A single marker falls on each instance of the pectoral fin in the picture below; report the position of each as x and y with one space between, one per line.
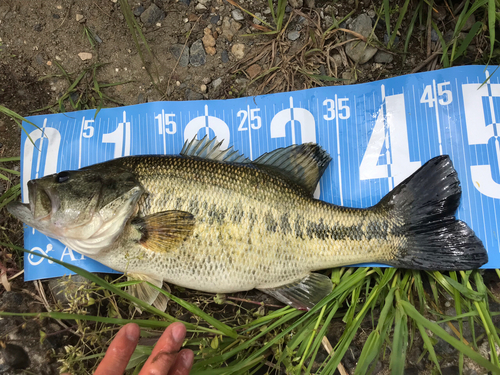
165 230
146 293
302 294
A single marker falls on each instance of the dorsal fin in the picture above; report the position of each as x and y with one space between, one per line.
301 165
211 149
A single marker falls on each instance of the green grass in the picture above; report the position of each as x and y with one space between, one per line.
141 44
13 192
84 91
389 306
291 339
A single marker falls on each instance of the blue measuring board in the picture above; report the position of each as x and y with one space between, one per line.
377 133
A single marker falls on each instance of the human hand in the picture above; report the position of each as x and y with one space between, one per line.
164 360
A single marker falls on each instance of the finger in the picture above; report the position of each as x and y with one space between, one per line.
119 352
183 364
165 352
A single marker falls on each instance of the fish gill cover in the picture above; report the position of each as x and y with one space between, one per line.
377 134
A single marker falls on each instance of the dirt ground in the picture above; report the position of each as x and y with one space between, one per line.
40 38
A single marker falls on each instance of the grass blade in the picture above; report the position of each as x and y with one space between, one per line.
468 39
491 24
440 332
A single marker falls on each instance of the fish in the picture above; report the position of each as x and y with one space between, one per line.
212 220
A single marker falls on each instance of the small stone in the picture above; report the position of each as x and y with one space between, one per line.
337 59
79 17
141 98
241 81
15 357
434 36
139 10
224 56
257 18
310 4
371 13
185 2
56 16
179 50
216 83
58 58
214 19
448 36
288 9
348 78
152 15
197 54
358 50
439 12
40 59
209 42
200 6
387 39
229 28
38 27
211 50
193 95
296 3
203 88
293 35
49 63
238 50
192 17
383 57
206 80
328 21
254 70
85 56
469 22
237 15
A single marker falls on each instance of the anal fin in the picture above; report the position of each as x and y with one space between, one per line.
146 293
302 294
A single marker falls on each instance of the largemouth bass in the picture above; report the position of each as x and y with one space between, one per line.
211 220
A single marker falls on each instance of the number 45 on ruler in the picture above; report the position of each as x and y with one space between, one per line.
434 95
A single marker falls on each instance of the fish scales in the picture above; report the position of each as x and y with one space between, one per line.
214 221
252 229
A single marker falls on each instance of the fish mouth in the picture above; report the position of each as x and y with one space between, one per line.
41 203
38 211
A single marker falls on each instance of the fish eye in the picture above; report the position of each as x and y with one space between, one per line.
62 177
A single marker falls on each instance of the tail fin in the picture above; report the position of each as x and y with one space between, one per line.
425 204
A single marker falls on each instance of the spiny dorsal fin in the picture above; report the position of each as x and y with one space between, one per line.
146 293
211 149
165 230
304 293
301 165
